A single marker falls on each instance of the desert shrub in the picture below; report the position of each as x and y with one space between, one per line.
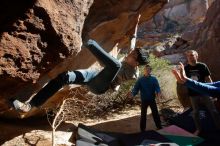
82 104
162 70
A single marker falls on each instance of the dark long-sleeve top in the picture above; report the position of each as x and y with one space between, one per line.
209 89
148 86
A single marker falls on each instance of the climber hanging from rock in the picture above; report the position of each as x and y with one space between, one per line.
98 82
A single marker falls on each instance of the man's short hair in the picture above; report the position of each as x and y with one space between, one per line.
192 51
142 57
148 66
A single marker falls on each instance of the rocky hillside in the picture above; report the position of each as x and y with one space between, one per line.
173 28
177 15
177 19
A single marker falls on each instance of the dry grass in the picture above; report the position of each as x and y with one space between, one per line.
81 104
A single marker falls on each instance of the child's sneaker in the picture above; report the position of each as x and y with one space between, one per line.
20 106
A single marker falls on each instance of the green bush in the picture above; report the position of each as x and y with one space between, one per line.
158 64
161 68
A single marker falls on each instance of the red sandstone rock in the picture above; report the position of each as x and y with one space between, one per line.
41 38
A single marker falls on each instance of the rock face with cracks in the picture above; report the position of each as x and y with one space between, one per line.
207 40
42 38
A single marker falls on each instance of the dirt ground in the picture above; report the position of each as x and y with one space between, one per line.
126 121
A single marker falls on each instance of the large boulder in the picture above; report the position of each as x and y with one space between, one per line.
36 36
41 38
